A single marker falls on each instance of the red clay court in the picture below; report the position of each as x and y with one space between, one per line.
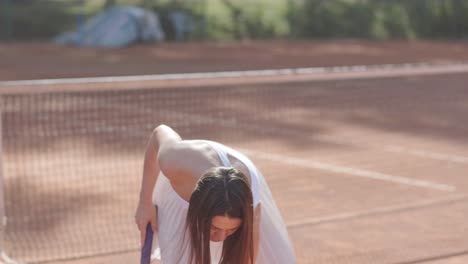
375 162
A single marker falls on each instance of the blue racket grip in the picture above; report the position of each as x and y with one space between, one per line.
146 249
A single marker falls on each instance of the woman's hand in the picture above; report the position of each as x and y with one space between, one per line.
145 213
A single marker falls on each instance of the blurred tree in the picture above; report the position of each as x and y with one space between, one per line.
24 1
236 16
109 3
80 17
398 22
241 19
6 16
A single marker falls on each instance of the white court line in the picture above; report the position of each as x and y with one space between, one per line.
350 171
427 154
376 211
371 70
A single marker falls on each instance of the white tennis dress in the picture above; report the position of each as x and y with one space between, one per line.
168 246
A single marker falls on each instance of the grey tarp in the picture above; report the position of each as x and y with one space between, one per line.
116 27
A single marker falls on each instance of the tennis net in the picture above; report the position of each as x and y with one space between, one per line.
72 152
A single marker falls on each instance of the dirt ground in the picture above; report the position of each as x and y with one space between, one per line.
44 60
364 171
361 173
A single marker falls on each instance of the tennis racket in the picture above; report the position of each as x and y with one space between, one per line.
146 249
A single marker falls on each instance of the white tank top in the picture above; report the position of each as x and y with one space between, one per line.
172 210
223 155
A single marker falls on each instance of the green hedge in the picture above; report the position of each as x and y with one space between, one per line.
229 19
439 19
371 19
384 19
262 19
40 19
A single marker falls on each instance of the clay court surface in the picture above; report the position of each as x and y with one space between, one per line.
363 170
44 60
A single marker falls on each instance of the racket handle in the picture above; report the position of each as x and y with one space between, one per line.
146 249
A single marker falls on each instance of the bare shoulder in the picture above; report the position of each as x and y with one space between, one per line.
182 159
170 155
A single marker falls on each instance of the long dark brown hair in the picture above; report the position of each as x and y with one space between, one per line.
221 191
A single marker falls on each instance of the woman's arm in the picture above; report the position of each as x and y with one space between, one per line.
146 212
161 136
